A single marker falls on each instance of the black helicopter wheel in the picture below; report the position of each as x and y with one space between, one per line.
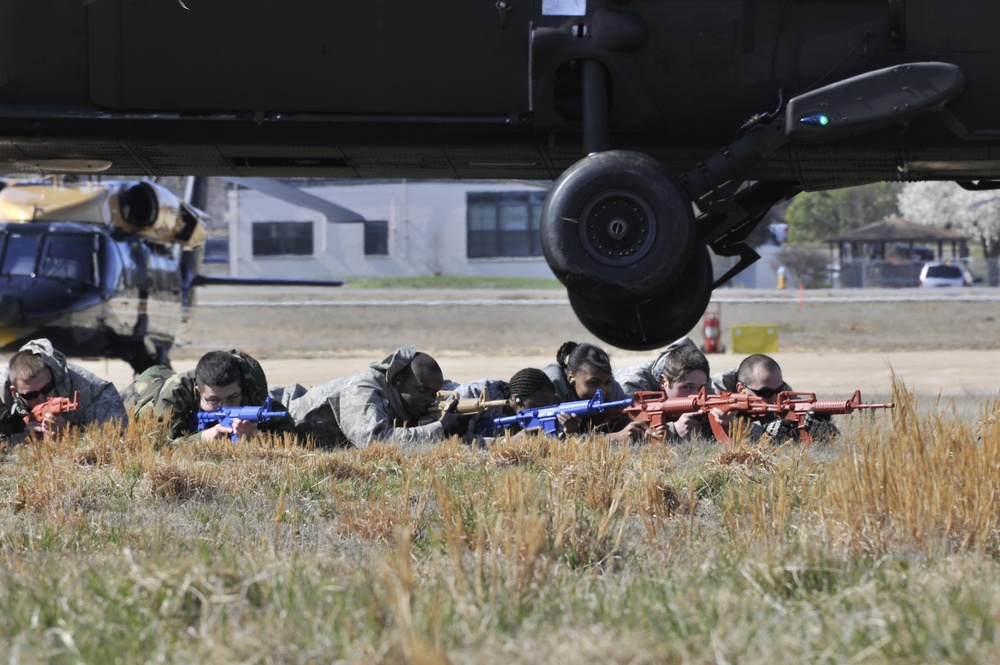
654 323
617 225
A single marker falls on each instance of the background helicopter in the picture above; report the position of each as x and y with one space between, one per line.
102 268
671 128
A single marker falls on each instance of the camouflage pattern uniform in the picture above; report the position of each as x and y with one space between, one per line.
362 409
646 376
481 424
566 393
172 397
99 399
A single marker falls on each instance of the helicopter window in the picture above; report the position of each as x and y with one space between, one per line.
19 255
69 256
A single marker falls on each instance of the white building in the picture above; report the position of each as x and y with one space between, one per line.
410 228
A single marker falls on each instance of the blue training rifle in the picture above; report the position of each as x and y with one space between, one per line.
547 417
225 415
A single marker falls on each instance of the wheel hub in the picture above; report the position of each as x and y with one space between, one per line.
617 227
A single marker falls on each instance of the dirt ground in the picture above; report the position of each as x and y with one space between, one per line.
936 343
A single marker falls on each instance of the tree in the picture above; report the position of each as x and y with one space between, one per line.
946 205
816 216
808 266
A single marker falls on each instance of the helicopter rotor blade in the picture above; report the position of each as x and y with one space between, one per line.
335 214
206 280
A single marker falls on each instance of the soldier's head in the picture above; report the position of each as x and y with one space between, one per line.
760 375
530 388
218 381
587 369
31 380
418 384
685 371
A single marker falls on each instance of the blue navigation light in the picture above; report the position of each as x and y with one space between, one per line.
818 120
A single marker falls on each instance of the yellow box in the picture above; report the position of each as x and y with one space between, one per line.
755 338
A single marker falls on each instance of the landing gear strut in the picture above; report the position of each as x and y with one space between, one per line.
619 232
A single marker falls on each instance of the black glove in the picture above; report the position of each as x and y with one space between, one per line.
820 426
453 423
780 430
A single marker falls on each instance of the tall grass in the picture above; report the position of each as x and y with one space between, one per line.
878 547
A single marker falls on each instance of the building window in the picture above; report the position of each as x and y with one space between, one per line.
282 239
377 238
504 224
216 249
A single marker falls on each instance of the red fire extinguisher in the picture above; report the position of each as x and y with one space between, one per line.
713 331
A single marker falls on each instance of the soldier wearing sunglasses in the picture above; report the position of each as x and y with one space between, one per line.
760 375
36 373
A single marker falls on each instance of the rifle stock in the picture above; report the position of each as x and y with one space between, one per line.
467 406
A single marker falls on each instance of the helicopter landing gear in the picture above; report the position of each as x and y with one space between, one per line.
616 225
655 322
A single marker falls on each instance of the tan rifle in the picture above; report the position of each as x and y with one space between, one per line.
467 406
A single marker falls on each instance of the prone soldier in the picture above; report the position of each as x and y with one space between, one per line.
37 373
220 379
384 403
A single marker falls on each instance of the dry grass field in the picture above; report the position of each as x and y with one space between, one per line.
878 547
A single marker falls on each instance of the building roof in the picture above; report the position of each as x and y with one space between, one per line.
897 229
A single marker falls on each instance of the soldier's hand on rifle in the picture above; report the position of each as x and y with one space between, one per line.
657 433
52 425
218 431
244 428
688 424
820 426
571 423
634 431
453 422
725 417
781 430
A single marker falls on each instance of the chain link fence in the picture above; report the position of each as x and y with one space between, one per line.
873 273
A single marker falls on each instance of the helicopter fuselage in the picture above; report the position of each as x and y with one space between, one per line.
91 291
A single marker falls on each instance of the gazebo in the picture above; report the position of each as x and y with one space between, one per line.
879 239
891 252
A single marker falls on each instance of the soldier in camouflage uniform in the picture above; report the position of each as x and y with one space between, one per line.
529 388
37 372
756 373
646 376
489 390
579 372
683 372
760 375
381 404
221 378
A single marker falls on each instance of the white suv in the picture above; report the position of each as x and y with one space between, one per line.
944 274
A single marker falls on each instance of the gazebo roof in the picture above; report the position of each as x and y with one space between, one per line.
897 229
